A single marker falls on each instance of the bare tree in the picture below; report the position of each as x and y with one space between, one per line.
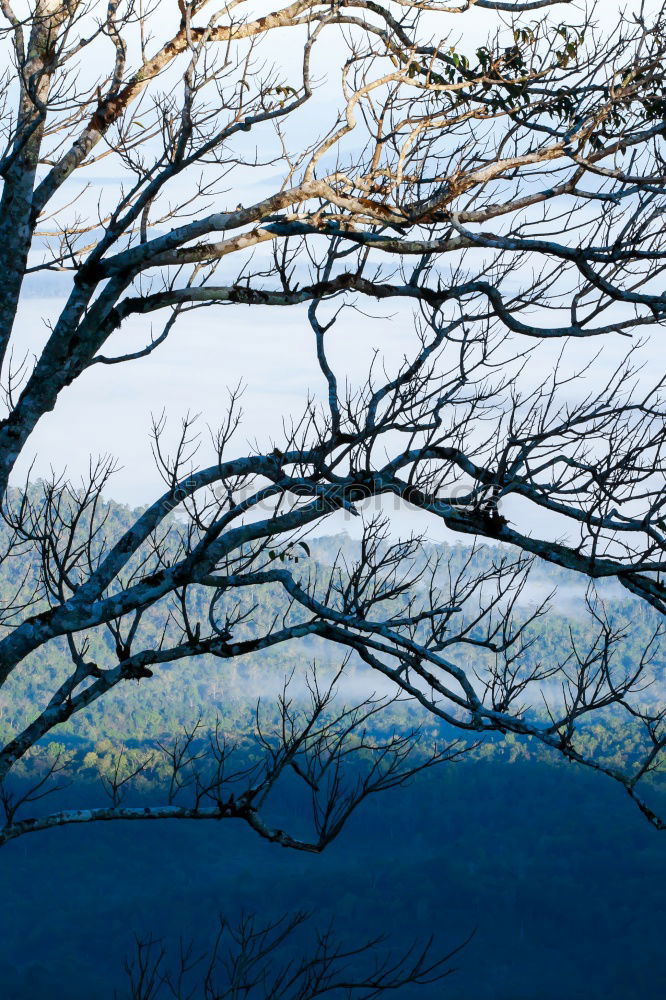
552 132
242 963
333 753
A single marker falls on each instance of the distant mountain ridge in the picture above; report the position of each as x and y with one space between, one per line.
208 686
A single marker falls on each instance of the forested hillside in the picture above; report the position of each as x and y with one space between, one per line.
226 692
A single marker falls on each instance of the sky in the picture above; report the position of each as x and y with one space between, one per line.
109 410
